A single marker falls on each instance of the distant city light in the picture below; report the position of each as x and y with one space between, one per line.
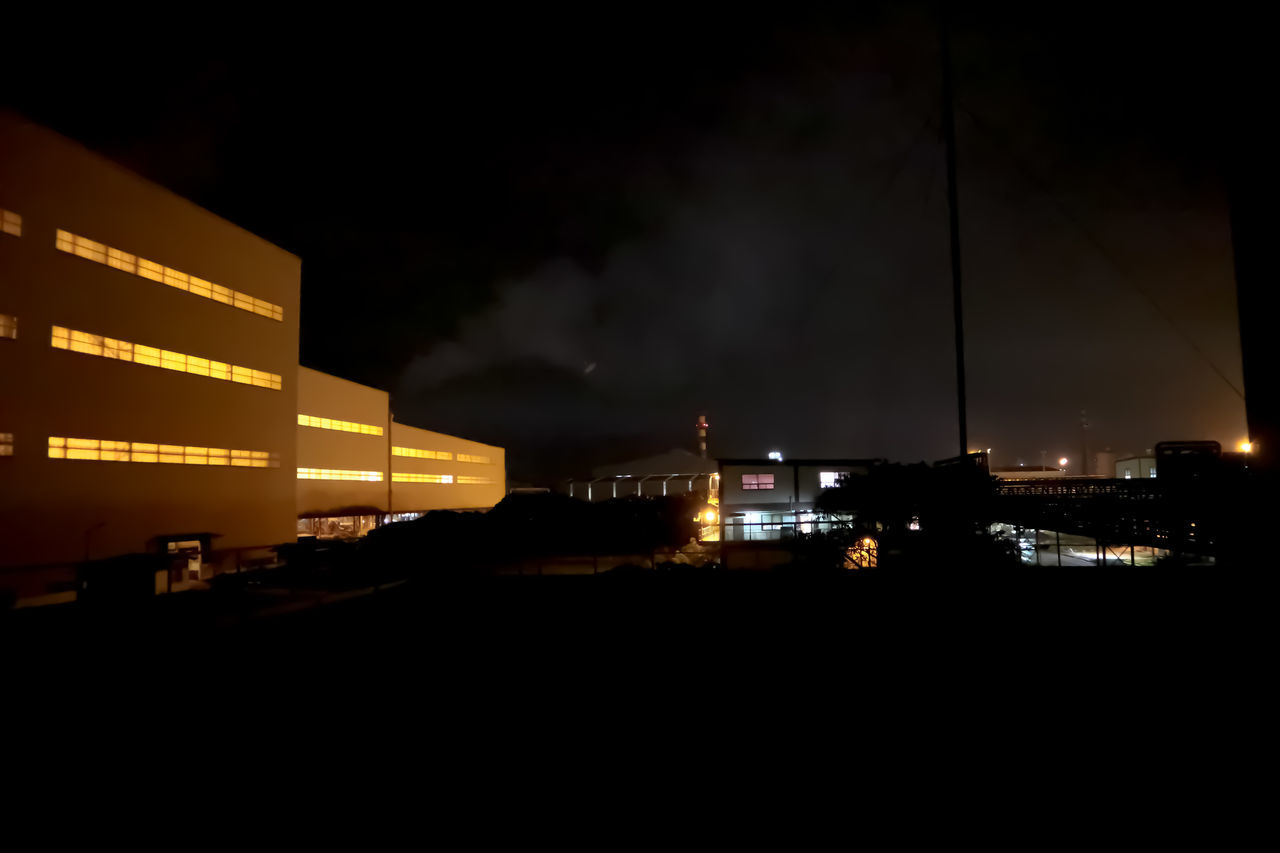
775 455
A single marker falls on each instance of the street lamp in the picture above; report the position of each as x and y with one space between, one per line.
1062 463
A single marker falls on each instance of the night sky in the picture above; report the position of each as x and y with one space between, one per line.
569 235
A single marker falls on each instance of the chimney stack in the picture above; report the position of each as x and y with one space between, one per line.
702 435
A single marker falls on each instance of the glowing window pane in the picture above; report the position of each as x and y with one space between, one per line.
6 444
339 425
339 474
466 480
92 449
122 261
90 344
150 269
421 478
8 326
83 247
10 223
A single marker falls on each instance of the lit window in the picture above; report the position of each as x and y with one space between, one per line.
8 326
1128 475
483 460
753 482
6 444
91 344
831 479
422 454
474 481
10 223
100 450
1153 473
341 426
83 247
339 474
423 478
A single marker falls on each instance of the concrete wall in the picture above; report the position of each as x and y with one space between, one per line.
55 510
325 396
420 497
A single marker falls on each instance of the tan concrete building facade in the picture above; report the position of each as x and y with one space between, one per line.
347 443
156 345
150 390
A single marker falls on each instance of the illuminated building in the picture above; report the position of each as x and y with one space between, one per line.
347 442
1136 468
767 499
672 473
150 392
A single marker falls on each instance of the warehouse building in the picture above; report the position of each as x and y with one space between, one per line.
150 392
768 499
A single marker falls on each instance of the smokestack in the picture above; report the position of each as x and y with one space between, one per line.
703 426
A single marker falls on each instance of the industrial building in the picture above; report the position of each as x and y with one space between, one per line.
150 393
766 499
1135 468
347 440
675 472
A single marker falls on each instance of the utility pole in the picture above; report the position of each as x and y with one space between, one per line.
949 128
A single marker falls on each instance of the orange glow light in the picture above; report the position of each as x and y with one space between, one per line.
83 247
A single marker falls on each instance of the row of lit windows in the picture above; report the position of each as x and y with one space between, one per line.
421 478
483 460
339 474
175 454
342 426
396 477
8 326
85 248
90 344
10 223
421 454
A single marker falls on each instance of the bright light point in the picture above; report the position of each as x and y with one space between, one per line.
775 455
709 516
1246 447
1063 462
